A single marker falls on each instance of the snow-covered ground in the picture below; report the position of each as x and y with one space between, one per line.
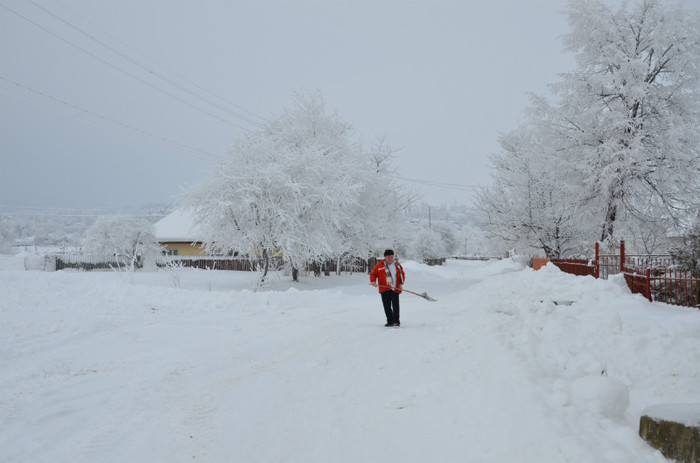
110 367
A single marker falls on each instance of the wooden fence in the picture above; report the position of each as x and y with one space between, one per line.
61 261
218 263
346 264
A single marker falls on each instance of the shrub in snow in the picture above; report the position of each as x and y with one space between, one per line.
124 240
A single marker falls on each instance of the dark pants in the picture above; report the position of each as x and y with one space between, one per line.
390 299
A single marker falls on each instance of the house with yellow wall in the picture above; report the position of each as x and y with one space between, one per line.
178 234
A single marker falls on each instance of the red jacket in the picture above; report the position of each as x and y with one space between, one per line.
378 274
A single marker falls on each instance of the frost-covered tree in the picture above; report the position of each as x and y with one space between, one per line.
301 186
427 245
7 236
620 142
529 206
627 118
473 241
438 241
648 237
448 237
379 205
687 253
126 239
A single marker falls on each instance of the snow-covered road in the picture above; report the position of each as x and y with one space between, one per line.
127 368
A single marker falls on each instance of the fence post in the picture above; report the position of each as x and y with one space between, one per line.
622 256
647 289
596 272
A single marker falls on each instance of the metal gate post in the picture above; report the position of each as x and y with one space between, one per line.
622 256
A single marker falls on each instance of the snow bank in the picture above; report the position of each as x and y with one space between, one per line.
115 367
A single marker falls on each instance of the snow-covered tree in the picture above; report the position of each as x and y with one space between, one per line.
448 237
437 241
126 239
687 253
529 206
627 118
382 205
620 142
649 237
7 236
301 186
427 245
472 241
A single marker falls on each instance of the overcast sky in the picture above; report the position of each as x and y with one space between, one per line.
115 121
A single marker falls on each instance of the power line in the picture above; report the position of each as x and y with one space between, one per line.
121 70
44 211
25 214
150 70
193 151
13 206
48 208
454 186
124 44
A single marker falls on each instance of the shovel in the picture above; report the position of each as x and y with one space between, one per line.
423 295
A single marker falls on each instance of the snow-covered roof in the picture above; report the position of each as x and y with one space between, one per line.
179 225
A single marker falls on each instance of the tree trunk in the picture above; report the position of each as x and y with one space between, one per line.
295 273
266 265
614 198
609 224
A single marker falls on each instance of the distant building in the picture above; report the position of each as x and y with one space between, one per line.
178 234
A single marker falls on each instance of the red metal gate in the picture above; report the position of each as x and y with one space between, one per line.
656 277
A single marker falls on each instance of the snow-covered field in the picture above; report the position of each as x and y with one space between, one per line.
110 367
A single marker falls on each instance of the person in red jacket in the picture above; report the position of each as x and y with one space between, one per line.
389 276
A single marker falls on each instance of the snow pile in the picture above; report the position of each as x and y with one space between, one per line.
115 367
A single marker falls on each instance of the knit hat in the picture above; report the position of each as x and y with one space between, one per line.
388 252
